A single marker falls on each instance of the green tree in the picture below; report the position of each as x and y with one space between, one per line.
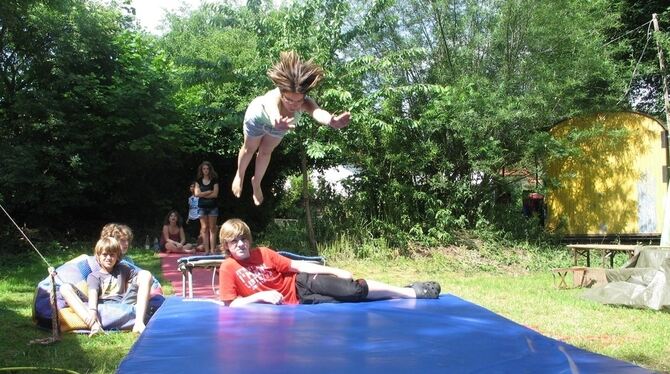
456 91
636 41
98 118
85 116
222 54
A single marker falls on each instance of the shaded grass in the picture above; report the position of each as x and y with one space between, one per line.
521 293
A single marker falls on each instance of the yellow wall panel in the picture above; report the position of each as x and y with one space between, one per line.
614 183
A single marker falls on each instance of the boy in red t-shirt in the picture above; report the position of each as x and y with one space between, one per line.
260 275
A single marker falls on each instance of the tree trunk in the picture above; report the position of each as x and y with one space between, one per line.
305 198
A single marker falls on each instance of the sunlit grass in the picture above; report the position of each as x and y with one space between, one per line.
526 297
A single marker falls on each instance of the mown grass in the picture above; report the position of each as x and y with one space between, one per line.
18 277
514 282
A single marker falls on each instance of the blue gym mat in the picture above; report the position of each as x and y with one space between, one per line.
448 335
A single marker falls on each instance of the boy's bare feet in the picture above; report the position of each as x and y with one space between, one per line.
96 329
237 186
258 193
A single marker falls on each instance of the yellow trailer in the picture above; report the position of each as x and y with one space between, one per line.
615 179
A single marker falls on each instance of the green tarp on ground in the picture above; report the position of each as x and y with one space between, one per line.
643 282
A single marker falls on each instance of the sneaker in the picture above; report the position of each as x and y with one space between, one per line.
426 290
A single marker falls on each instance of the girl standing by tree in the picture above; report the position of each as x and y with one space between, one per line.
207 190
270 116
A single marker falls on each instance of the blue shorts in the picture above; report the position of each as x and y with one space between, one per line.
130 297
211 212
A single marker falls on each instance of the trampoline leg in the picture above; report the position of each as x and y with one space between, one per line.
183 284
190 283
213 278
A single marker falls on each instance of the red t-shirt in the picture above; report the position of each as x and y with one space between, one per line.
264 270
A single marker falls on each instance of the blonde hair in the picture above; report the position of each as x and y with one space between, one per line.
117 231
231 229
108 244
292 74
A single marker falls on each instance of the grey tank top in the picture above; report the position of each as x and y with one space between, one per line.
258 115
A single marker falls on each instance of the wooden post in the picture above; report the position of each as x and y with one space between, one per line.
55 321
661 62
665 233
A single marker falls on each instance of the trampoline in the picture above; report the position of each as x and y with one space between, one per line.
447 335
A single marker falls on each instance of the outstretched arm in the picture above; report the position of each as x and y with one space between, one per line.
86 311
312 268
267 297
324 117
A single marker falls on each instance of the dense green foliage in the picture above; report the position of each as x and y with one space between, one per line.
89 128
100 121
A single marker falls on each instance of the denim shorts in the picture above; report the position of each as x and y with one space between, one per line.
212 212
130 297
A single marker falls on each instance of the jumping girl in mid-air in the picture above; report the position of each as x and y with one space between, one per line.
270 116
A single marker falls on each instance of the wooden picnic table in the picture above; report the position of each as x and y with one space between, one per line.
606 251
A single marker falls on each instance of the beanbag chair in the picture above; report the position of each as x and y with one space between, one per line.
113 316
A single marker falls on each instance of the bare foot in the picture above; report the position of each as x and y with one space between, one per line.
96 330
258 193
139 327
237 186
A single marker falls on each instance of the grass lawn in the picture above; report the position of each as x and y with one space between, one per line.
638 336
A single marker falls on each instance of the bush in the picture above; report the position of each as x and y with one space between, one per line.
287 236
12 241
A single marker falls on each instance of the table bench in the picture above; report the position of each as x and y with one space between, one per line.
559 275
606 251
582 276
